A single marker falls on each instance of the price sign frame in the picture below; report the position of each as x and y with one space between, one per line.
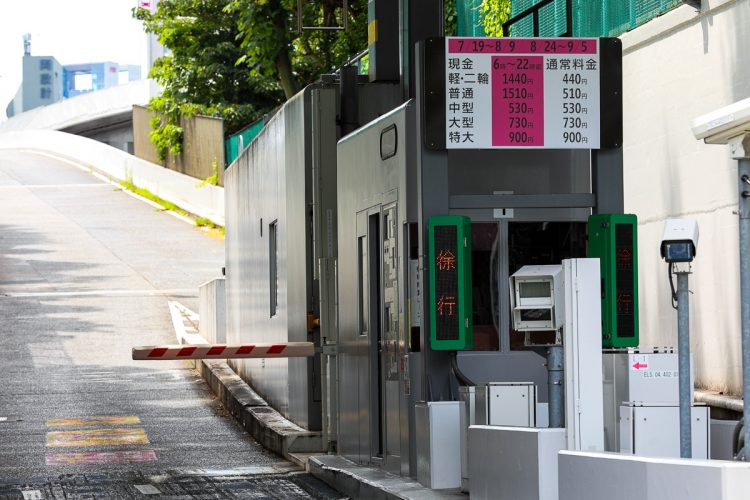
522 93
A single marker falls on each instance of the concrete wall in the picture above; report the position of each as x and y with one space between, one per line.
203 145
206 201
118 136
676 68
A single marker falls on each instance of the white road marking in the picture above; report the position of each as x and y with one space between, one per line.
102 293
53 186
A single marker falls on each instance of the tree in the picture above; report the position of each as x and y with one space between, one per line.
274 49
489 14
238 59
496 13
200 74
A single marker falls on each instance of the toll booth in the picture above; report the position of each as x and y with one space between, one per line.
506 150
280 242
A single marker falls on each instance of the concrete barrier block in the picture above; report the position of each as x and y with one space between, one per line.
610 476
213 311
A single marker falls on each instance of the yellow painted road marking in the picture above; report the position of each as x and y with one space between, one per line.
92 421
100 457
97 437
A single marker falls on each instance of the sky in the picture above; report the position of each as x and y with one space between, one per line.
72 31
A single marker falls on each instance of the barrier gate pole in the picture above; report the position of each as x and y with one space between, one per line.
206 351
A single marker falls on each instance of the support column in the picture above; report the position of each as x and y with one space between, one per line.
555 381
683 354
744 212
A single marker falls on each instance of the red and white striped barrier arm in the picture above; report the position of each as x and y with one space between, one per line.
205 351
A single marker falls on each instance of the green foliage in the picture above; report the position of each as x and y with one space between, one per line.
239 59
213 179
169 206
495 13
451 18
145 193
273 48
200 74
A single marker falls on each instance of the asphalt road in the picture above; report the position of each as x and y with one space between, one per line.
85 274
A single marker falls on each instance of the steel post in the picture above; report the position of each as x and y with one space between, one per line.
683 352
744 212
555 379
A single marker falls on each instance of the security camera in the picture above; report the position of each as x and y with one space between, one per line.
680 240
724 124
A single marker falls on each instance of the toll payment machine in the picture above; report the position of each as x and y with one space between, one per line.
537 300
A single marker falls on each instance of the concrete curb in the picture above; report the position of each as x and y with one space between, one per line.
358 481
266 425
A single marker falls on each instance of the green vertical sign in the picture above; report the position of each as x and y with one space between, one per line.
450 283
613 238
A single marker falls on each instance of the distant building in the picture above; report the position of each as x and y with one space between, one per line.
42 84
82 78
46 81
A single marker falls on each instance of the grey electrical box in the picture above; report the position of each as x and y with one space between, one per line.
511 404
438 438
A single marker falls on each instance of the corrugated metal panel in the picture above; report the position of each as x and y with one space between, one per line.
270 184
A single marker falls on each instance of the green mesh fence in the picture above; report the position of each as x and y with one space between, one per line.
592 18
551 18
242 138
469 18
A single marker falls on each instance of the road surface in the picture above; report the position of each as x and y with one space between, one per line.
85 274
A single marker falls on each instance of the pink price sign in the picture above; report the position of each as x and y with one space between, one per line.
522 93
522 46
518 106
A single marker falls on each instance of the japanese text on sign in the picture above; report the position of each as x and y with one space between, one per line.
522 93
446 282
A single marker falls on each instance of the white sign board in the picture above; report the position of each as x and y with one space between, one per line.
522 93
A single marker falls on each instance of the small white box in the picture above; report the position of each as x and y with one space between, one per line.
511 404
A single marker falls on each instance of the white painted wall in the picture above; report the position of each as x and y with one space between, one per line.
676 68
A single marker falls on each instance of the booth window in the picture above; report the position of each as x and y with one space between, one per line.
273 267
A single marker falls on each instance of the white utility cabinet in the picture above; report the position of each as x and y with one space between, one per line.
582 340
469 416
643 377
654 431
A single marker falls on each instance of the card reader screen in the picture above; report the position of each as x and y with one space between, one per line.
534 289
